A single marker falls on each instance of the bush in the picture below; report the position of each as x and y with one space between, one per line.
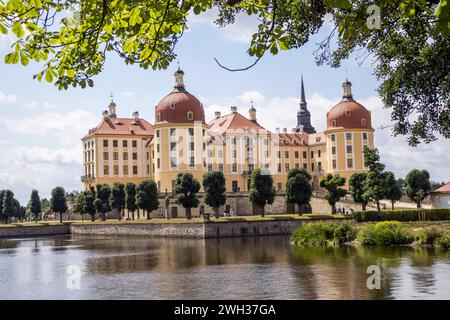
385 233
323 234
427 236
443 243
403 215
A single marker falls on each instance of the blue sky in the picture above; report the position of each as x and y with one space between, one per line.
41 127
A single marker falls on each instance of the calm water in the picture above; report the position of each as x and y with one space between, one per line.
239 268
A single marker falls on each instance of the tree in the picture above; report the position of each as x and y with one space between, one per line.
130 198
101 202
35 205
117 200
2 216
80 204
356 182
409 41
417 185
186 188
374 185
8 207
147 196
261 190
298 188
58 201
89 207
214 186
332 184
393 192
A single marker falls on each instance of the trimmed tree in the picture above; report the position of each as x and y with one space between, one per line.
2 216
58 202
393 190
35 205
130 198
147 196
298 188
261 190
333 191
79 204
356 182
417 185
101 202
186 189
8 206
117 200
374 185
89 207
214 186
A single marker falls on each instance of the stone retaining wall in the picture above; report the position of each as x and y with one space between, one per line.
35 231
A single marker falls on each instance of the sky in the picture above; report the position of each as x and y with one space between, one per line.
41 127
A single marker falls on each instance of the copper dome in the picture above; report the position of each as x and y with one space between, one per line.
179 106
348 113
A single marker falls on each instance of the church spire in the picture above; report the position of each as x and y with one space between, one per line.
179 80
303 115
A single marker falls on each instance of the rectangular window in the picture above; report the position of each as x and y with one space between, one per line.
158 163
134 143
234 167
135 170
350 163
220 166
209 152
210 167
305 166
157 133
191 146
191 131
349 149
334 164
115 143
148 169
116 170
280 187
348 136
105 143
125 156
279 154
106 170
279 167
135 156
312 154
233 140
312 166
191 161
333 150
115 156
173 132
148 155
234 154
106 155
296 154
266 142
234 186
319 166
333 137
364 135
319 153
286 167
125 170
220 153
157 147
305 155
286 154
174 183
297 165
125 143
173 146
173 162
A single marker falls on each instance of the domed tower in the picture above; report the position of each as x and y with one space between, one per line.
349 131
178 144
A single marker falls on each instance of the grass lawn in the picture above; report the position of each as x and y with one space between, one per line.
183 220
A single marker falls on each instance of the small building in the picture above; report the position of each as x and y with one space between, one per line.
440 198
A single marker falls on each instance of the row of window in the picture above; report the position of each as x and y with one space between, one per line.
116 170
115 143
88 145
124 155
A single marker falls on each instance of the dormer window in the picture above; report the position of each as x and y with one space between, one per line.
333 123
363 122
172 105
348 113
190 115
158 117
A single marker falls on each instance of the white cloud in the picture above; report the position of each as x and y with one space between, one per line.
35 105
127 93
67 127
7 98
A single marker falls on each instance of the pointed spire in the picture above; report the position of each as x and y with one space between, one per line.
303 115
302 97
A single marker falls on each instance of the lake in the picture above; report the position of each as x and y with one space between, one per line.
228 268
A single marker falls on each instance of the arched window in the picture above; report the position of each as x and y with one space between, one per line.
333 123
348 113
190 115
363 122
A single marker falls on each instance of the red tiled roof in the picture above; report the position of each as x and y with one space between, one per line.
301 139
234 121
443 189
349 114
123 126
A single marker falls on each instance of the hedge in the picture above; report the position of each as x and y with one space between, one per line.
403 215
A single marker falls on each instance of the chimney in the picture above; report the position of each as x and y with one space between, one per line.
252 114
105 114
217 114
233 109
136 116
294 130
284 130
277 130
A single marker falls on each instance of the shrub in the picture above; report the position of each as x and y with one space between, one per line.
323 234
384 234
403 215
443 243
427 236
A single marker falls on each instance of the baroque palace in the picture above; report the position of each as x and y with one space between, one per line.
131 149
